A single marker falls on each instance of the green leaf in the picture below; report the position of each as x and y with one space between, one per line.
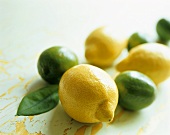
136 39
163 30
40 101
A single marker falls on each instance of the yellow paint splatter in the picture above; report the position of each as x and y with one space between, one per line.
16 85
6 133
4 61
7 105
3 70
30 81
12 88
21 130
140 131
96 128
21 78
81 130
8 121
31 118
2 95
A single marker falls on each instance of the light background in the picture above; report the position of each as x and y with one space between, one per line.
27 27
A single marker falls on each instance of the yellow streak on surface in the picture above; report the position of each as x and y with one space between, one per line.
2 95
140 131
31 118
30 81
12 88
81 130
20 130
7 105
3 70
6 133
96 128
4 61
21 78
16 85
8 121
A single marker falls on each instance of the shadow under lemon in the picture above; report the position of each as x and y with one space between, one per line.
61 123
125 117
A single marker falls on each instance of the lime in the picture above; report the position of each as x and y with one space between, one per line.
54 61
136 90
136 39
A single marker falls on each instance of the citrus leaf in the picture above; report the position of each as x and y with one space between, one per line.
163 29
40 101
136 39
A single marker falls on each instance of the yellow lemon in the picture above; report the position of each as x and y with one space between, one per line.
88 94
103 46
152 59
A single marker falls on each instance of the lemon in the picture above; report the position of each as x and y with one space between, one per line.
88 94
136 90
103 46
54 61
152 59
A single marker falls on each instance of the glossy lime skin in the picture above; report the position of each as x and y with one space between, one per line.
54 61
136 90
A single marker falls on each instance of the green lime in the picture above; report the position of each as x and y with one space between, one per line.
54 61
136 90
136 39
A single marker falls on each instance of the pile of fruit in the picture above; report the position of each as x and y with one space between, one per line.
89 94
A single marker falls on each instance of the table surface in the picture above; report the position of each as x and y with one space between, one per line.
27 27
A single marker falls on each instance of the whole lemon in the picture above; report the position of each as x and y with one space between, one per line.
152 59
103 46
88 94
54 61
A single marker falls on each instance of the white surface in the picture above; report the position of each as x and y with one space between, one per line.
27 27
